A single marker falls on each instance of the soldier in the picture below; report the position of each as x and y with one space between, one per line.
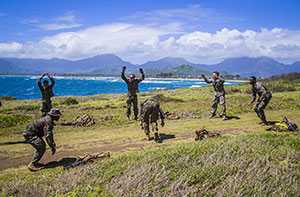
34 135
132 84
218 84
150 109
264 96
47 93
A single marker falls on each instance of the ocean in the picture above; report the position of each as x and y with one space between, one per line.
25 87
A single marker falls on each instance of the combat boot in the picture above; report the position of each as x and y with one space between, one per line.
197 135
33 167
148 137
211 116
156 138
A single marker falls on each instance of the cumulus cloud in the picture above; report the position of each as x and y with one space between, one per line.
140 43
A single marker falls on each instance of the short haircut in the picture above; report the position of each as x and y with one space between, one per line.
253 77
216 72
45 82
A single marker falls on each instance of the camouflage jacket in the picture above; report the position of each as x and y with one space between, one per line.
132 85
218 85
151 104
47 93
41 127
261 90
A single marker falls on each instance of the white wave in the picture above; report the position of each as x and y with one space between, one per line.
196 86
168 82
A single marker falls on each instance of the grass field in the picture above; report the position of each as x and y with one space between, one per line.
245 160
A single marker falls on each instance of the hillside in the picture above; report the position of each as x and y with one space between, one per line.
109 64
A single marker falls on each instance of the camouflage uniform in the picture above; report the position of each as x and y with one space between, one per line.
131 95
47 93
34 133
219 96
263 99
150 109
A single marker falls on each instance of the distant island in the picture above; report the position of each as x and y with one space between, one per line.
171 67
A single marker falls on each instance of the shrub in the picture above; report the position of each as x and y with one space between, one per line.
8 98
7 120
70 101
28 107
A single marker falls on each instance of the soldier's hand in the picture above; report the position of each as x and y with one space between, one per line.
162 123
203 75
124 68
141 70
44 74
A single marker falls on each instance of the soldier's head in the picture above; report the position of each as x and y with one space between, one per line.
252 80
55 114
46 83
215 75
132 77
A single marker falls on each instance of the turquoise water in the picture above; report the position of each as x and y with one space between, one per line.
25 87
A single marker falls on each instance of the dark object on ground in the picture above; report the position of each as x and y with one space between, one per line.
201 133
86 121
88 159
171 116
284 126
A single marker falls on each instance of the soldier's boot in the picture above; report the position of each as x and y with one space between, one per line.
135 118
32 167
40 165
224 117
128 116
156 137
197 135
148 137
211 116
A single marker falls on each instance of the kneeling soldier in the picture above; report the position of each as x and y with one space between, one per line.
34 135
150 109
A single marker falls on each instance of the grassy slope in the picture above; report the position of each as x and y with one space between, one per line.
253 162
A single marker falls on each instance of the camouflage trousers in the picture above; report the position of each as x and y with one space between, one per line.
259 109
215 103
40 146
132 100
146 127
46 107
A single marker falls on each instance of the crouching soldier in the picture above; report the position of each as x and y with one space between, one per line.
47 93
34 133
264 96
150 109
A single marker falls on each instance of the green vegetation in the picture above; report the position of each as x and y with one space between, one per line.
69 101
7 120
245 161
8 98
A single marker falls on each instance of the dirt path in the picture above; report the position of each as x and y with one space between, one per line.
67 157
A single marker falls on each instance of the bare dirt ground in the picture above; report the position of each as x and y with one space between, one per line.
68 157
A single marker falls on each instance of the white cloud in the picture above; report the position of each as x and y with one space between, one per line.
140 43
67 21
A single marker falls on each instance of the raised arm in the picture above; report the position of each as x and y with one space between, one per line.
143 75
123 74
39 81
51 79
205 79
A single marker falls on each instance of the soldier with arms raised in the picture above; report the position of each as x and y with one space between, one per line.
47 93
218 84
264 96
34 133
132 85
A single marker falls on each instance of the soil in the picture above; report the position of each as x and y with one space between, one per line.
67 157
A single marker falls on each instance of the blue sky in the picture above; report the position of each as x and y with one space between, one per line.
138 31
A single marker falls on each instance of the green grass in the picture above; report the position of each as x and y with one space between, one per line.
256 164
246 160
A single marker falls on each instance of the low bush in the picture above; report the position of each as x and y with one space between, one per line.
69 101
8 98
